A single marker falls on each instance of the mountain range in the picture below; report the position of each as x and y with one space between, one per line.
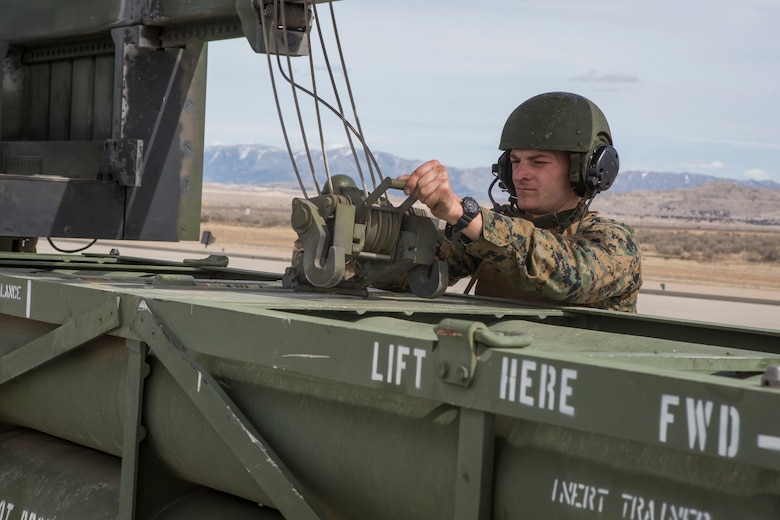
257 164
636 197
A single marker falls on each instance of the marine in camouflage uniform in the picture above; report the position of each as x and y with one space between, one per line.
595 263
545 246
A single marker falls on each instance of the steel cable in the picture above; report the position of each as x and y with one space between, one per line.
319 101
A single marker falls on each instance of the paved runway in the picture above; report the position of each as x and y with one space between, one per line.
723 305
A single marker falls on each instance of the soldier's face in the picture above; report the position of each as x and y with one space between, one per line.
541 180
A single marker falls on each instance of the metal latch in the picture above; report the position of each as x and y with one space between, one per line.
460 343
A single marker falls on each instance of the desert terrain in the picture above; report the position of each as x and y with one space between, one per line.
725 274
725 257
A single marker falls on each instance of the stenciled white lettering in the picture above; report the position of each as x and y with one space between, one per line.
508 379
539 385
579 495
547 387
5 509
30 515
699 414
728 440
700 424
582 495
526 379
396 362
634 507
567 375
667 418
642 508
400 366
10 291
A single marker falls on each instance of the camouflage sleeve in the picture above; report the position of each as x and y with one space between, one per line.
453 251
597 263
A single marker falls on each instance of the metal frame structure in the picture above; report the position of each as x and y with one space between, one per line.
105 102
492 365
145 389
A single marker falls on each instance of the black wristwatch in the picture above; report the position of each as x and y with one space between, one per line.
470 210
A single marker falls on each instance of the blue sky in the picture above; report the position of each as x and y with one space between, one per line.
691 86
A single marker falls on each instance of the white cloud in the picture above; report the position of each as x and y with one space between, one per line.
595 76
704 166
756 174
444 88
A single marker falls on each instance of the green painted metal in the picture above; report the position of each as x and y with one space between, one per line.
476 451
71 334
44 477
256 456
134 432
140 389
347 394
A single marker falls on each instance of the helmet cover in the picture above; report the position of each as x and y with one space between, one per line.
556 121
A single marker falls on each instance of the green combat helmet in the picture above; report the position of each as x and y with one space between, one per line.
565 122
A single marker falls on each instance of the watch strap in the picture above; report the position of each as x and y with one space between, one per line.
470 210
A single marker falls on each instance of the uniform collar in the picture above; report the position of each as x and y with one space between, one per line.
551 220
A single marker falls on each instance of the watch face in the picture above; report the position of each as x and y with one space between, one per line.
470 206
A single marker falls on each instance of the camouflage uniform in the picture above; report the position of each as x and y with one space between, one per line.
597 266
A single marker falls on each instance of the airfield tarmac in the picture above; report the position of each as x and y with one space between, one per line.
738 306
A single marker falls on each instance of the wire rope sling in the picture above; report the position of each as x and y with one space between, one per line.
348 238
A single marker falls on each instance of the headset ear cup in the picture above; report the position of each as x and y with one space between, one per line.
601 169
503 170
505 173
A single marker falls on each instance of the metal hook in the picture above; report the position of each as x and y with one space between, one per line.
320 270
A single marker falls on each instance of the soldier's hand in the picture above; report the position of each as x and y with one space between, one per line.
430 184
